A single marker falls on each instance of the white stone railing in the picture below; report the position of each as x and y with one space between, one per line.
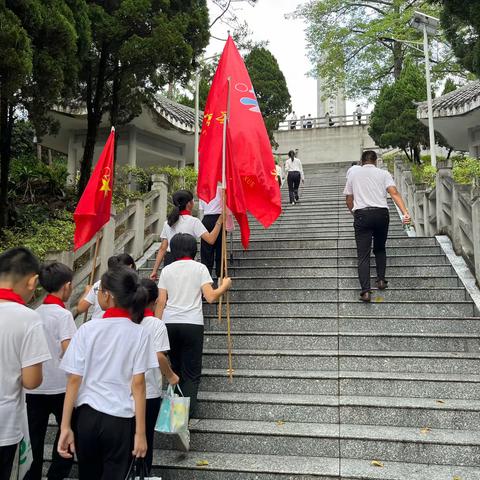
449 208
133 230
325 122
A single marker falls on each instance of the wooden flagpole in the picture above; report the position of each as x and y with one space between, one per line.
94 267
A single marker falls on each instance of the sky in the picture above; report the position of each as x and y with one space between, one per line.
287 43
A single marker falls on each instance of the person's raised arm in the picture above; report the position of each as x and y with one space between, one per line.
161 253
87 300
211 237
213 294
66 441
397 198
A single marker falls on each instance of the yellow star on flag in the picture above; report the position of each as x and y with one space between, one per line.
105 186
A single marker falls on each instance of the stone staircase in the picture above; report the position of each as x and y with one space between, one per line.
324 385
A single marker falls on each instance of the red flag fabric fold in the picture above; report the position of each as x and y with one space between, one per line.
94 207
251 184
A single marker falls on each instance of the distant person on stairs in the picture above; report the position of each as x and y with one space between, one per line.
294 171
366 197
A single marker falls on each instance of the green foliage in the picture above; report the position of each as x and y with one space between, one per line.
41 236
424 173
353 43
461 22
465 169
450 86
394 122
179 178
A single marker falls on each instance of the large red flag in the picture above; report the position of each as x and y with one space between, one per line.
250 168
93 209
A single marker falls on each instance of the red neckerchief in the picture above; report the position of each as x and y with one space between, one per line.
11 296
148 313
53 300
117 312
184 258
185 212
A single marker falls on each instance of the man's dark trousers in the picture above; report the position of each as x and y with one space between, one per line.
371 223
211 254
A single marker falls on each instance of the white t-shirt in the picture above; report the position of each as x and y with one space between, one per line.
294 166
352 169
59 325
107 353
183 280
185 224
92 298
368 185
158 332
22 344
214 207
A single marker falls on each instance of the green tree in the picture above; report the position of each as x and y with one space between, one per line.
394 122
461 22
38 68
138 47
354 44
270 87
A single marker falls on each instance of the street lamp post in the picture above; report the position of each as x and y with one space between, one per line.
428 25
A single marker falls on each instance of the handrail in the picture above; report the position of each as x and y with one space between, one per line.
332 121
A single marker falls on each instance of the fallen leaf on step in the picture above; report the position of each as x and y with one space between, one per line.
425 430
202 463
378 299
440 401
280 423
377 463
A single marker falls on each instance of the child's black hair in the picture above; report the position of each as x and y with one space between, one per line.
152 289
123 259
180 201
54 275
291 155
17 263
183 245
123 283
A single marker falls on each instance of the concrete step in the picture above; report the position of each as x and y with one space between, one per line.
441 386
353 324
350 341
353 410
343 294
328 308
405 444
358 361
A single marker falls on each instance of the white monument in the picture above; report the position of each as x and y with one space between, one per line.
335 104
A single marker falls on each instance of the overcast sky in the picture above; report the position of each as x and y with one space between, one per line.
286 39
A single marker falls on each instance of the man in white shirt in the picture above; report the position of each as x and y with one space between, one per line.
293 121
366 197
359 113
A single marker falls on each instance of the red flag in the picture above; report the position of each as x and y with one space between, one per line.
250 168
93 209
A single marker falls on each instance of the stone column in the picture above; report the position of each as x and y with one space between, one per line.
137 224
419 210
456 215
160 204
444 170
476 227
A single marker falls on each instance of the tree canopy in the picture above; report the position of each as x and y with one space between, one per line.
355 44
393 122
270 87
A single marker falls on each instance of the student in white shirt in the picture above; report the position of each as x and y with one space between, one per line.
59 326
279 172
153 378
211 255
181 285
23 348
90 297
366 197
294 170
180 220
106 361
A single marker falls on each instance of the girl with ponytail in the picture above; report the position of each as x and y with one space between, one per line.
294 170
180 220
106 362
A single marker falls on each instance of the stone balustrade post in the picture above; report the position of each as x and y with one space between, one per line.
65 257
444 170
137 224
456 216
160 204
397 173
476 227
419 210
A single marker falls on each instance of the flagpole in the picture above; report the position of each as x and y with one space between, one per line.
94 267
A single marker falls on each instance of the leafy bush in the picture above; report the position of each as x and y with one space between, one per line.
465 169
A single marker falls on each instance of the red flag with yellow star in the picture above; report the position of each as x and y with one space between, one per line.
93 209
251 182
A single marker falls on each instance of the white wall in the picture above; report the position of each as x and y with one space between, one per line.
325 145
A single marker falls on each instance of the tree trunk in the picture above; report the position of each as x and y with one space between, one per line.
416 154
397 60
95 98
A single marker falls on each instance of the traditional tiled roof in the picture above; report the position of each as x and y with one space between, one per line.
179 115
461 101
